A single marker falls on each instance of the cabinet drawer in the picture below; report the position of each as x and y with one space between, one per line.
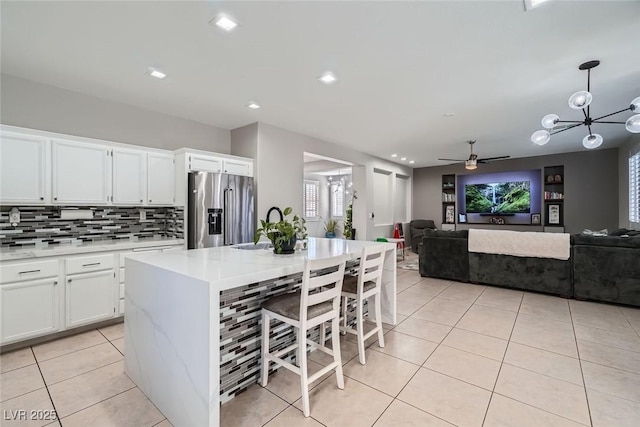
121 291
88 263
28 270
121 306
121 276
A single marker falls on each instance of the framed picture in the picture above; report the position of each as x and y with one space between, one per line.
554 214
462 218
450 214
535 218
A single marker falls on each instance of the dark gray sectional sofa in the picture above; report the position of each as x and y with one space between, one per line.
606 268
600 268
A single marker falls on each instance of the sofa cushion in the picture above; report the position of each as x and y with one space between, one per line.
609 241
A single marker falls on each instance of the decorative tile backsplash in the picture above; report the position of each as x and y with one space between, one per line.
43 224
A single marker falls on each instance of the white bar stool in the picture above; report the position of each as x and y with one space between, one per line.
359 288
317 301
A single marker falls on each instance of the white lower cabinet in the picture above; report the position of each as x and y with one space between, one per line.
89 297
29 309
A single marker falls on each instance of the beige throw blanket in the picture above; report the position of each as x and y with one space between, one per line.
520 243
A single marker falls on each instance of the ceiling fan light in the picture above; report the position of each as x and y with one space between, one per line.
550 120
635 104
580 100
633 123
470 164
592 141
540 137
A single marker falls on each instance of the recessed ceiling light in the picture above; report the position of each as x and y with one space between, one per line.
394 155
532 4
253 105
327 77
225 22
157 74
449 114
412 161
403 158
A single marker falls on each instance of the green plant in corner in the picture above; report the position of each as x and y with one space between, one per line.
282 234
348 222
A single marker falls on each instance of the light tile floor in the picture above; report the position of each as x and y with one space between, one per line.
461 354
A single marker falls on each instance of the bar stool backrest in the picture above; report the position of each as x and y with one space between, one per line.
322 282
371 262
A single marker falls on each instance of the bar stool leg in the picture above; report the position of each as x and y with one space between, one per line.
265 349
345 302
379 320
360 330
337 357
304 377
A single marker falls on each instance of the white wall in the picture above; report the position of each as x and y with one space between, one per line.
280 174
28 104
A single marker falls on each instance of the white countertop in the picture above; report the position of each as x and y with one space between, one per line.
229 267
18 253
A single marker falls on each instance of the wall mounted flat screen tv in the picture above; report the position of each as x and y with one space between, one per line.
498 197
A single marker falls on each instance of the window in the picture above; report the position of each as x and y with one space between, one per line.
634 188
337 199
310 199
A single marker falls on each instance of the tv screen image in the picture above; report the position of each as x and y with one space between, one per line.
498 197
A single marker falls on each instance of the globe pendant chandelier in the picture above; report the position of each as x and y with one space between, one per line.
581 100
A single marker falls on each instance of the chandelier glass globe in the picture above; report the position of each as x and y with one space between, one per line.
633 123
580 100
592 141
550 120
540 137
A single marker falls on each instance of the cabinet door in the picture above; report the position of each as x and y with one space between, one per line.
205 163
160 184
90 297
129 177
81 173
28 309
238 167
24 169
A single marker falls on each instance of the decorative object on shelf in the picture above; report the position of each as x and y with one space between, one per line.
557 179
535 218
349 231
462 218
550 179
450 214
331 228
581 100
472 162
498 220
284 233
554 214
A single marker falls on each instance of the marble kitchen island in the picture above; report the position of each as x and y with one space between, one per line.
192 333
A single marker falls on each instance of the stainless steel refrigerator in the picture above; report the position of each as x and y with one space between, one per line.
220 210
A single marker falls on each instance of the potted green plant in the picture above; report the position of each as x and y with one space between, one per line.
350 232
282 234
331 228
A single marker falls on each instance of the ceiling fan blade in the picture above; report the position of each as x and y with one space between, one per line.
490 159
452 160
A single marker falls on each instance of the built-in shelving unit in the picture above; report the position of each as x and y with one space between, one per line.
448 201
553 196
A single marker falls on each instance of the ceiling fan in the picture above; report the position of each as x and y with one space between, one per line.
473 160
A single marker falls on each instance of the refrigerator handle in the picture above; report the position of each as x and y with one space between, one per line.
232 206
225 201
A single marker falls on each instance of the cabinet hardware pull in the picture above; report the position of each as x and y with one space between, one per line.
55 282
93 263
29 271
69 280
55 198
150 200
41 198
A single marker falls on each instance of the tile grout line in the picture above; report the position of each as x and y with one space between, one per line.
46 388
493 391
584 383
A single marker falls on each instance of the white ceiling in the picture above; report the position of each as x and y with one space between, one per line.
401 66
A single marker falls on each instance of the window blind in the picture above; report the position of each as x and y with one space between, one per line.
634 189
310 199
337 200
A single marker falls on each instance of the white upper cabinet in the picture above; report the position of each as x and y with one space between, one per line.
24 169
205 163
238 167
81 173
129 177
160 184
